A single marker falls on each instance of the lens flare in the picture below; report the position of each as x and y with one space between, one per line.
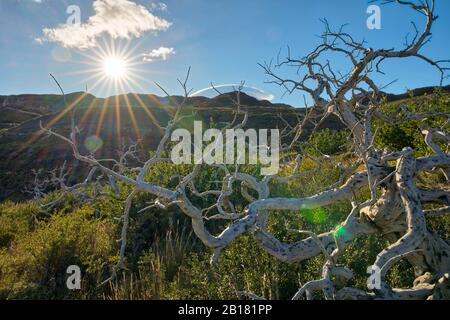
93 143
340 232
315 215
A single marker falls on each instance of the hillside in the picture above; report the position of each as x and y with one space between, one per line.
116 121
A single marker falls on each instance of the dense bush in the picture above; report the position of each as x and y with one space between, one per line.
327 142
400 133
34 263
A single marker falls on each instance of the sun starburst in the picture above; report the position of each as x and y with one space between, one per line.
112 68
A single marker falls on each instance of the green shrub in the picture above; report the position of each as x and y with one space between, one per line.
401 133
327 142
35 264
16 220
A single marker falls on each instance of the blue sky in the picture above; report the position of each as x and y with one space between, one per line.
221 40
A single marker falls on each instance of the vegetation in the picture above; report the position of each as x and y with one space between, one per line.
165 260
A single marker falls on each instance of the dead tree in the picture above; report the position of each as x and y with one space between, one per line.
395 209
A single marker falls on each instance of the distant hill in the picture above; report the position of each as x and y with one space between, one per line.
115 120
223 100
414 93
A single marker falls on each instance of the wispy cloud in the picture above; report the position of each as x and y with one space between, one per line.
122 19
159 6
158 54
252 91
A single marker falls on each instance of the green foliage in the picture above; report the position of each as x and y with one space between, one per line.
401 133
16 220
158 268
35 264
327 142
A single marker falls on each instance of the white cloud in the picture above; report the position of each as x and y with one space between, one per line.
118 18
159 6
158 54
250 90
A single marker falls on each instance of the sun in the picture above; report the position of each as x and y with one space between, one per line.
115 67
112 68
